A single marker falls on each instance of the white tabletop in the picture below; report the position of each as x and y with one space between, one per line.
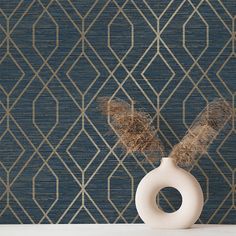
113 230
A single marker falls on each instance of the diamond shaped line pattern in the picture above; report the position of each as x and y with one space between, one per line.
168 58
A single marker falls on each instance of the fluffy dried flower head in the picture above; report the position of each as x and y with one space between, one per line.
194 143
202 132
135 134
113 107
215 114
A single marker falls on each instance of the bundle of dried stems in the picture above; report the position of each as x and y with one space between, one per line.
136 134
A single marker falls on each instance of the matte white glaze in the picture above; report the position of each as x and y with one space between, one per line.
168 174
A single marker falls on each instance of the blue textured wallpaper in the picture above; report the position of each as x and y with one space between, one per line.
57 163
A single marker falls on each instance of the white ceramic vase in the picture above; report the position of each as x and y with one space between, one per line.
168 174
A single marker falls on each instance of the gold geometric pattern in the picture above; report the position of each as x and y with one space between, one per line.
169 58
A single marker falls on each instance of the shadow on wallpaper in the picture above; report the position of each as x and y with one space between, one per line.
57 165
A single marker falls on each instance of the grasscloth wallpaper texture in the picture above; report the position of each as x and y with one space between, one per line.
57 163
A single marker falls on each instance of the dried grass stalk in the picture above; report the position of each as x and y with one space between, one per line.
135 133
202 132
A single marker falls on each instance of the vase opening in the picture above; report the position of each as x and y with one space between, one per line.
174 199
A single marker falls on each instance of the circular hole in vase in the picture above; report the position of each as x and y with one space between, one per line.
169 199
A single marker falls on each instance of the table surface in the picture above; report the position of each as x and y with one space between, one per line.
113 230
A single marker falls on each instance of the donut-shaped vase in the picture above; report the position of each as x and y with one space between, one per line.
168 174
